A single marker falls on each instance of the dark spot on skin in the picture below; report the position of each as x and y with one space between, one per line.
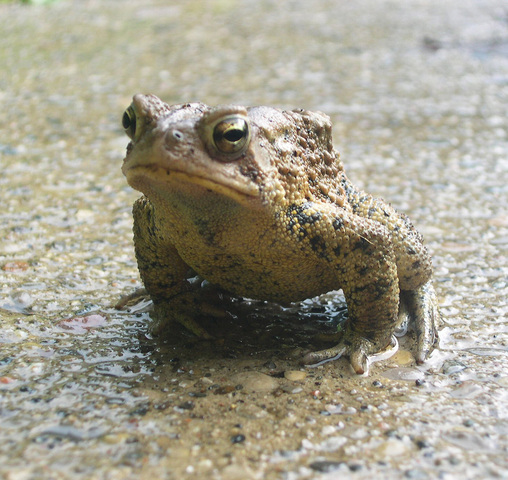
337 224
417 264
362 271
207 233
372 211
382 287
318 245
312 218
361 243
297 216
336 250
410 251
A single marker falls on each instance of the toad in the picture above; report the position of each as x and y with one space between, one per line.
256 201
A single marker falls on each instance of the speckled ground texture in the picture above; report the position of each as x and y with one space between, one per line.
418 93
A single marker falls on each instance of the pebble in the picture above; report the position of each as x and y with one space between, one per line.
224 390
256 382
240 438
328 430
189 405
404 373
206 381
295 375
416 474
332 444
453 366
392 448
325 466
503 381
359 434
16 266
339 409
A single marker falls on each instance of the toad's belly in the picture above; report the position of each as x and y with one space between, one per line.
273 276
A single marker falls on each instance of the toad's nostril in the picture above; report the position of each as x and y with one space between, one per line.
173 137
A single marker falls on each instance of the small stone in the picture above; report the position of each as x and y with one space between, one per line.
256 382
295 375
416 474
240 438
206 381
224 390
391 448
405 374
187 405
325 466
332 444
197 394
116 438
355 467
453 366
349 411
422 443
328 430
503 381
15 266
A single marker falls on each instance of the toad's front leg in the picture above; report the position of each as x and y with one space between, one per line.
165 276
364 259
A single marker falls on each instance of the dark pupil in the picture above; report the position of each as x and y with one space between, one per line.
233 135
128 121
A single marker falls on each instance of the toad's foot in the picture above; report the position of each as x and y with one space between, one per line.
127 301
361 352
186 309
419 309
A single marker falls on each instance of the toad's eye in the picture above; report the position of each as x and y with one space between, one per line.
129 122
231 134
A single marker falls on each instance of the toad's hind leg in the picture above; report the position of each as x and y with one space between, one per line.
421 309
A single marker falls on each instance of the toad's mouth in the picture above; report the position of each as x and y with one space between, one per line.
152 177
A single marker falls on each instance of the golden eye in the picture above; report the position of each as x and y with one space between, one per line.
129 122
231 134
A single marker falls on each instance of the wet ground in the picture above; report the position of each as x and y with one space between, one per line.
418 92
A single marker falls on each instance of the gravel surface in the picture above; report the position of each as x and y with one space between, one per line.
418 93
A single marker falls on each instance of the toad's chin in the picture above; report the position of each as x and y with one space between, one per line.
152 179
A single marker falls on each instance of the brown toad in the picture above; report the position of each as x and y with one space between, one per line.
256 201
